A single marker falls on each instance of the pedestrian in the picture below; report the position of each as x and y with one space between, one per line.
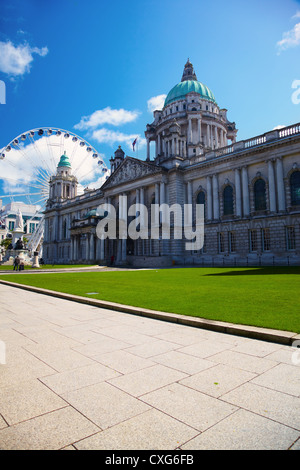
112 259
21 267
16 263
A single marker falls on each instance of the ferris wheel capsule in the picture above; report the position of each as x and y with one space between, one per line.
58 132
15 142
89 149
8 148
95 155
49 131
82 144
31 133
23 137
2 156
104 170
41 132
74 139
66 136
100 162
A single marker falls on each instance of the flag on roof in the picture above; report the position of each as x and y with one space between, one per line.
133 143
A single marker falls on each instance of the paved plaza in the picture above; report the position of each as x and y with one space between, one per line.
81 377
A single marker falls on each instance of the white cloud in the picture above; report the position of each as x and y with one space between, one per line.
16 60
156 102
112 137
297 15
290 38
115 117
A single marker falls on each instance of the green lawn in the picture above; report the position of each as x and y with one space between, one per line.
44 266
266 297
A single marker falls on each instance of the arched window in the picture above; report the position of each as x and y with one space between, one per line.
295 188
65 229
228 200
260 202
201 199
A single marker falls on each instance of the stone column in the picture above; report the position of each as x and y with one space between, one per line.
123 226
158 146
199 130
246 204
91 256
209 198
148 149
97 242
176 146
161 198
238 193
207 135
225 139
71 248
216 137
124 216
87 246
272 193
280 184
216 197
190 132
74 257
102 248
190 201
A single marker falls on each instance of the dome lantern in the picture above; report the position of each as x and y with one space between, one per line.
188 72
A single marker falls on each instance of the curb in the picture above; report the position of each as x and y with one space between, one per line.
274 336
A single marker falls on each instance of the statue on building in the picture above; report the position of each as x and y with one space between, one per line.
19 222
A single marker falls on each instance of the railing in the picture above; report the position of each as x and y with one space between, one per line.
261 139
275 134
289 130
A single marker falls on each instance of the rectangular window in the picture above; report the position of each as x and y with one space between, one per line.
265 239
232 242
31 228
253 240
221 242
11 225
290 238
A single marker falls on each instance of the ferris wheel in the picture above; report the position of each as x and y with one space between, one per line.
28 162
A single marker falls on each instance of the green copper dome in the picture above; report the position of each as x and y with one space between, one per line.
180 91
188 84
64 161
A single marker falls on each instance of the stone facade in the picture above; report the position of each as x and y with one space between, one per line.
250 190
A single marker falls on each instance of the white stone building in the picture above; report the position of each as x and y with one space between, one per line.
31 217
250 190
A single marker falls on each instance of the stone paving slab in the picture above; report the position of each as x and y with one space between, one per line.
80 376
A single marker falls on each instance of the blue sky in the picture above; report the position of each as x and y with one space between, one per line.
92 66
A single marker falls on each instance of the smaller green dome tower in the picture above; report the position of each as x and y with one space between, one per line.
64 161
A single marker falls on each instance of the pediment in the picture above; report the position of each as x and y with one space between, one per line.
130 169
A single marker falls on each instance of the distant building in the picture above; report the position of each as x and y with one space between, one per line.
8 213
250 190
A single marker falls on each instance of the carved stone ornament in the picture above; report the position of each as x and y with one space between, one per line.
130 169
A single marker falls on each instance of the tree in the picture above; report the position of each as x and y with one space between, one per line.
6 242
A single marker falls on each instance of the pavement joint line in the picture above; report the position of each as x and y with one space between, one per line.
269 335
